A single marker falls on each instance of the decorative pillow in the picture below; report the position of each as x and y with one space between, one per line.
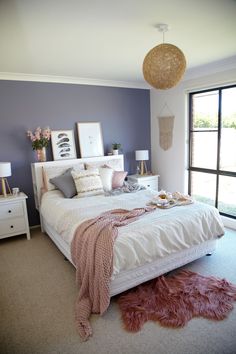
87 182
106 175
65 183
118 179
54 171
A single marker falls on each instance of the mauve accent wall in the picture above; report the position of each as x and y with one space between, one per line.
124 115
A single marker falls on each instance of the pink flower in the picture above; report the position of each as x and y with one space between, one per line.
39 138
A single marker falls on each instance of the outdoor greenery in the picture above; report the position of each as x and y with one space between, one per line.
207 121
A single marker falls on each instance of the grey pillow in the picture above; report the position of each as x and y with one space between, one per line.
65 183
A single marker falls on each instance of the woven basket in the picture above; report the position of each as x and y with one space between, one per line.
164 66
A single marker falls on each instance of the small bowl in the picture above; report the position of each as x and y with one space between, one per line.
162 201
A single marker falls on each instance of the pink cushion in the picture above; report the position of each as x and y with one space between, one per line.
118 179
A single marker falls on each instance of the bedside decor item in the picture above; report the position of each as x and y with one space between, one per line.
5 171
142 156
15 191
63 144
164 65
90 139
40 140
115 148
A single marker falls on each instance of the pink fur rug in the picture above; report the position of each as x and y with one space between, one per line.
174 300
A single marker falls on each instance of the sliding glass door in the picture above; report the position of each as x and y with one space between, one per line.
212 148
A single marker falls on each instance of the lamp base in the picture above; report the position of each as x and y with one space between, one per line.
143 168
5 186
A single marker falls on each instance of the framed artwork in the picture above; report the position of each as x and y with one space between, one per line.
90 139
63 144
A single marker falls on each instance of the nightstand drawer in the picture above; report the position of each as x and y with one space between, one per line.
13 216
12 226
149 183
11 210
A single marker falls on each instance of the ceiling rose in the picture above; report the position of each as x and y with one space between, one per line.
164 65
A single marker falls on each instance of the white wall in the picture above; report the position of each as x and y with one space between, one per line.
171 165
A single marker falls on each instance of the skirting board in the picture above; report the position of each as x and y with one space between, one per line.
228 222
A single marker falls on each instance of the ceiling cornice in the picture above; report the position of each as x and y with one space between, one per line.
71 80
210 68
191 73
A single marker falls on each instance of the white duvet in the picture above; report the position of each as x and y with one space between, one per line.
153 235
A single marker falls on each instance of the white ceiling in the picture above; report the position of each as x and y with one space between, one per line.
108 39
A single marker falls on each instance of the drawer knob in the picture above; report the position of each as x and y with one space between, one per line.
12 226
148 185
9 211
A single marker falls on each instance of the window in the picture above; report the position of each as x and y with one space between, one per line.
212 148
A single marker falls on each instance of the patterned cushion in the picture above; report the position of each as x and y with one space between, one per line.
54 171
106 173
87 182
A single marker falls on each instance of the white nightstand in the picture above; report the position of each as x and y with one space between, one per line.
148 181
13 216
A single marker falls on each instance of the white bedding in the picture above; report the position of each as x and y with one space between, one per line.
152 236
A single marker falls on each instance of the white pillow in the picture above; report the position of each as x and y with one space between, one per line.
106 177
55 171
87 182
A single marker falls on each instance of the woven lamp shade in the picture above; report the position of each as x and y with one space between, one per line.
164 66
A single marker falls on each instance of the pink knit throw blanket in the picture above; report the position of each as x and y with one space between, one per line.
92 254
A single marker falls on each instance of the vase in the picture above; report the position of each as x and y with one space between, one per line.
41 154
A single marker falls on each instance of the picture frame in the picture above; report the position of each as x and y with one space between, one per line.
90 139
63 144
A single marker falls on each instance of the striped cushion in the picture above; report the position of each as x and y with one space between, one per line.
87 182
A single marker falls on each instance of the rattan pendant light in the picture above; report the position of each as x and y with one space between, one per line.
164 65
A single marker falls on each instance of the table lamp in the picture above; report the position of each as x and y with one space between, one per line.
142 156
5 171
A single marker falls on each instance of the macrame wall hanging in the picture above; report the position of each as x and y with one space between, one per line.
166 126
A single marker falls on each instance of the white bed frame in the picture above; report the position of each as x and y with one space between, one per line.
125 279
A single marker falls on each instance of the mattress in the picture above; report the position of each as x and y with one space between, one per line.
153 236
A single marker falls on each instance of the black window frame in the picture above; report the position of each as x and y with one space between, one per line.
218 172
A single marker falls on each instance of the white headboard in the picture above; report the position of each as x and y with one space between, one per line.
116 161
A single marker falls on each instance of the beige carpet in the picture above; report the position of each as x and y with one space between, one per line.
37 297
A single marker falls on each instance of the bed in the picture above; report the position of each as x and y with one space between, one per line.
150 246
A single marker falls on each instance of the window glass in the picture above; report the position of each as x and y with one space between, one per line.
203 187
212 132
227 195
228 130
204 149
205 110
